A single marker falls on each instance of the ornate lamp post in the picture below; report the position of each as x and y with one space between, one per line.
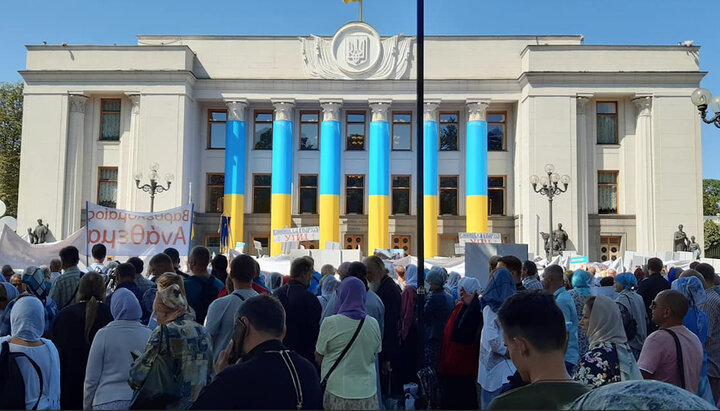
703 99
153 188
549 188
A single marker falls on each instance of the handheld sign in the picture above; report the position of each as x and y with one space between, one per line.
290 235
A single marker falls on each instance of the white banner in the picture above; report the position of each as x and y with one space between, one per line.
482 238
139 234
20 254
289 235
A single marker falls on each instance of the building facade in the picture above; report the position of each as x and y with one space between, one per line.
321 131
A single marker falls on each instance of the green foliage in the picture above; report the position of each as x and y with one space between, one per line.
11 110
712 234
711 196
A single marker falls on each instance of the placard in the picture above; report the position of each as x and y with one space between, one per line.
290 235
481 238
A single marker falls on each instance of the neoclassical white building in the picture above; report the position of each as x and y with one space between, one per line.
616 119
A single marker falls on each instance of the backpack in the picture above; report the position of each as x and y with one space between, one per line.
629 323
12 384
208 294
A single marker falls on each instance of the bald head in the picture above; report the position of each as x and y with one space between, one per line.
675 301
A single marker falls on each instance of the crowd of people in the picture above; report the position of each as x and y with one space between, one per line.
227 336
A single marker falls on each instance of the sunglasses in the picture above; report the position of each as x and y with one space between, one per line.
654 305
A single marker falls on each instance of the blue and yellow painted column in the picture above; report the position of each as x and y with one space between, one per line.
282 175
234 194
330 152
379 178
431 140
476 168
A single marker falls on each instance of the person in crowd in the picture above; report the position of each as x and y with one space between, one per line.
452 285
219 266
553 284
55 269
27 324
608 359
175 258
408 327
329 286
567 280
535 335
16 281
639 395
514 266
352 385
399 273
625 285
66 285
275 282
326 271
142 282
438 306
220 320
529 276
190 344
712 309
110 357
658 359
302 309
73 333
580 292
99 252
157 266
494 365
7 294
493 262
258 284
639 274
458 367
651 286
34 284
672 275
125 276
606 288
295 383
7 272
201 288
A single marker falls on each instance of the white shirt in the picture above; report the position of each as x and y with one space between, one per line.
494 363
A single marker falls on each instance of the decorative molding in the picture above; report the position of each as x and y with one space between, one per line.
135 103
236 109
644 105
477 110
331 110
379 110
283 109
77 103
430 112
356 51
582 105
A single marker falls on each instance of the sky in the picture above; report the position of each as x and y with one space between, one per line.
623 22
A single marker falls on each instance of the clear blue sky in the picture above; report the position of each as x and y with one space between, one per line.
661 22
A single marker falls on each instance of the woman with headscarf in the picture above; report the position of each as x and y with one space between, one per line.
108 365
580 293
328 286
352 385
177 336
460 349
438 306
34 284
275 282
452 285
73 333
609 359
625 285
408 328
7 294
27 325
494 365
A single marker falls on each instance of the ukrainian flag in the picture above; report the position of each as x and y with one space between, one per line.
352 1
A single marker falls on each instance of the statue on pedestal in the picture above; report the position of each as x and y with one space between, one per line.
694 248
680 240
41 231
560 238
32 237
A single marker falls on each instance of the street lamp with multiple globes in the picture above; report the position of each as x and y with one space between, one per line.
153 188
704 100
549 188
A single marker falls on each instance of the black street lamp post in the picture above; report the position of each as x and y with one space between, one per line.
153 188
550 189
703 99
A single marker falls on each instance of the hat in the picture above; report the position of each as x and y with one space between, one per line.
436 276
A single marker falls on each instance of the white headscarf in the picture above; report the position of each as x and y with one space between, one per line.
27 319
469 284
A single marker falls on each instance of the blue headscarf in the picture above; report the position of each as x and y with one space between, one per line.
692 289
500 288
27 319
580 281
125 306
436 276
329 285
672 275
452 284
411 276
627 280
11 291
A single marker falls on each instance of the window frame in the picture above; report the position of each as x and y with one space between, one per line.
210 123
355 188
317 124
401 236
254 238
208 186
616 173
362 241
317 192
100 180
254 187
617 122
457 194
211 235
255 122
505 126
440 124
392 129
392 193
504 190
348 113
102 112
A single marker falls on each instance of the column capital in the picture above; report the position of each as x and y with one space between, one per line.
236 109
77 103
283 109
477 109
430 108
380 109
134 102
644 105
581 101
331 109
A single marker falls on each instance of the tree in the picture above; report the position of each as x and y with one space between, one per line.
711 196
712 234
11 111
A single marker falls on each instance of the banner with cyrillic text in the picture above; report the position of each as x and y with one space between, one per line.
482 238
289 235
127 233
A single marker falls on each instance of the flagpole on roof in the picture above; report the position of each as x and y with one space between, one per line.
361 10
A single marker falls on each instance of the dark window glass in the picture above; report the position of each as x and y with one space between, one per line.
263 131
214 193
261 193
355 135
449 195
496 195
496 131
354 194
308 194
110 119
402 131
216 128
401 195
309 131
449 131
607 123
107 186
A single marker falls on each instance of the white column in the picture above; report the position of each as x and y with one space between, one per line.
127 167
644 177
584 170
74 165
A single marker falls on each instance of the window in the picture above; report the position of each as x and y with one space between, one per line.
353 241
401 242
401 195
607 122
264 241
261 193
107 186
354 194
212 243
607 192
308 194
402 131
497 123
110 119
216 129
355 130
449 131
309 130
496 195
214 192
448 195
263 130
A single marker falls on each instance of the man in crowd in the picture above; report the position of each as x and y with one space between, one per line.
270 376
529 276
651 286
158 265
302 309
55 269
535 335
66 285
7 272
259 288
99 252
125 276
220 320
515 266
712 310
143 283
659 356
553 284
175 257
201 288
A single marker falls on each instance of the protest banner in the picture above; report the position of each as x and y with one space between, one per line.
289 235
18 253
127 233
481 238
575 263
